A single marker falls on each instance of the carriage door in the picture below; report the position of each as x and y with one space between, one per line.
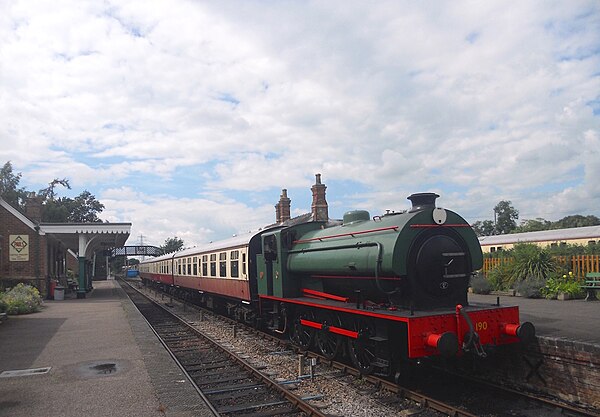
270 254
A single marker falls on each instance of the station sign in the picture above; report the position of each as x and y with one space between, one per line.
18 248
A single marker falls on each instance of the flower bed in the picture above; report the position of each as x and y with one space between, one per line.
21 299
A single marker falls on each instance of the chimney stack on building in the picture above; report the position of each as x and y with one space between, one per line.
319 208
33 208
282 209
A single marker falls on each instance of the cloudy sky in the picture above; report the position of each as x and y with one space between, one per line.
187 118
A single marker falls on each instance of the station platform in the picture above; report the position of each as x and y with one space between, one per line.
104 361
576 320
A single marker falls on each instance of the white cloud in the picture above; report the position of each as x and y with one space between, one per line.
477 101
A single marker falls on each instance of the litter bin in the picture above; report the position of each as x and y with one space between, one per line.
59 293
51 289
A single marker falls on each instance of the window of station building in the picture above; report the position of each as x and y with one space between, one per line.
223 264
213 264
195 265
234 257
205 265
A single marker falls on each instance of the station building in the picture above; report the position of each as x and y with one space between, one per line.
38 253
588 235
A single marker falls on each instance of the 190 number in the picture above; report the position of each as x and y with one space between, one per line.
481 325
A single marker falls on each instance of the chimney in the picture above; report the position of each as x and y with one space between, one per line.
33 208
421 201
319 204
282 209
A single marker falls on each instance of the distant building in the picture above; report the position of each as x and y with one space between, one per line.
589 235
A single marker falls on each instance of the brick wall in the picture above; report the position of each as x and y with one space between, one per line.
34 270
559 368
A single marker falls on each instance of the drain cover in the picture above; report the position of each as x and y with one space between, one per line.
25 372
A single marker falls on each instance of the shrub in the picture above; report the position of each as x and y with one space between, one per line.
531 287
22 299
3 306
480 285
562 284
532 262
500 278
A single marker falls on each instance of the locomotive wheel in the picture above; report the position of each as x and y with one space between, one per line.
302 336
329 343
362 350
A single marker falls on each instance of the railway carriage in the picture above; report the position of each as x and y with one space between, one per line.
384 291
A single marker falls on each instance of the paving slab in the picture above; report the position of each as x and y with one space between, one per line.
104 361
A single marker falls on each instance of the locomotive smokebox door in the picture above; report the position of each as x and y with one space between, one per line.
440 269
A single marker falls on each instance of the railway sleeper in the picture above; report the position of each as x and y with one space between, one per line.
254 406
231 388
224 379
239 394
218 371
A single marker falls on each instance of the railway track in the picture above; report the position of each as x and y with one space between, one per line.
395 393
229 384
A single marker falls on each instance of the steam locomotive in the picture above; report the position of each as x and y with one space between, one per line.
383 290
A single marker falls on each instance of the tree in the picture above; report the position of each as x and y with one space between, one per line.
533 225
172 244
48 193
86 208
483 228
506 216
82 209
9 190
57 211
576 221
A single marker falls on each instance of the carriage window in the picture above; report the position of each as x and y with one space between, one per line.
189 266
244 263
213 264
195 265
205 265
223 264
235 255
178 267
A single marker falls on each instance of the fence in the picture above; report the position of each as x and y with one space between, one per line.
578 264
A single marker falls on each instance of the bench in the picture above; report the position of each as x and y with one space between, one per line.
72 285
592 283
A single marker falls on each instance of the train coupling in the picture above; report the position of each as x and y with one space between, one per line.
471 340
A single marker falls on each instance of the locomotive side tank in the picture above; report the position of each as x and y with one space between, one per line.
419 259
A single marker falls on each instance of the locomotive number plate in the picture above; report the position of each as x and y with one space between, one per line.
481 325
